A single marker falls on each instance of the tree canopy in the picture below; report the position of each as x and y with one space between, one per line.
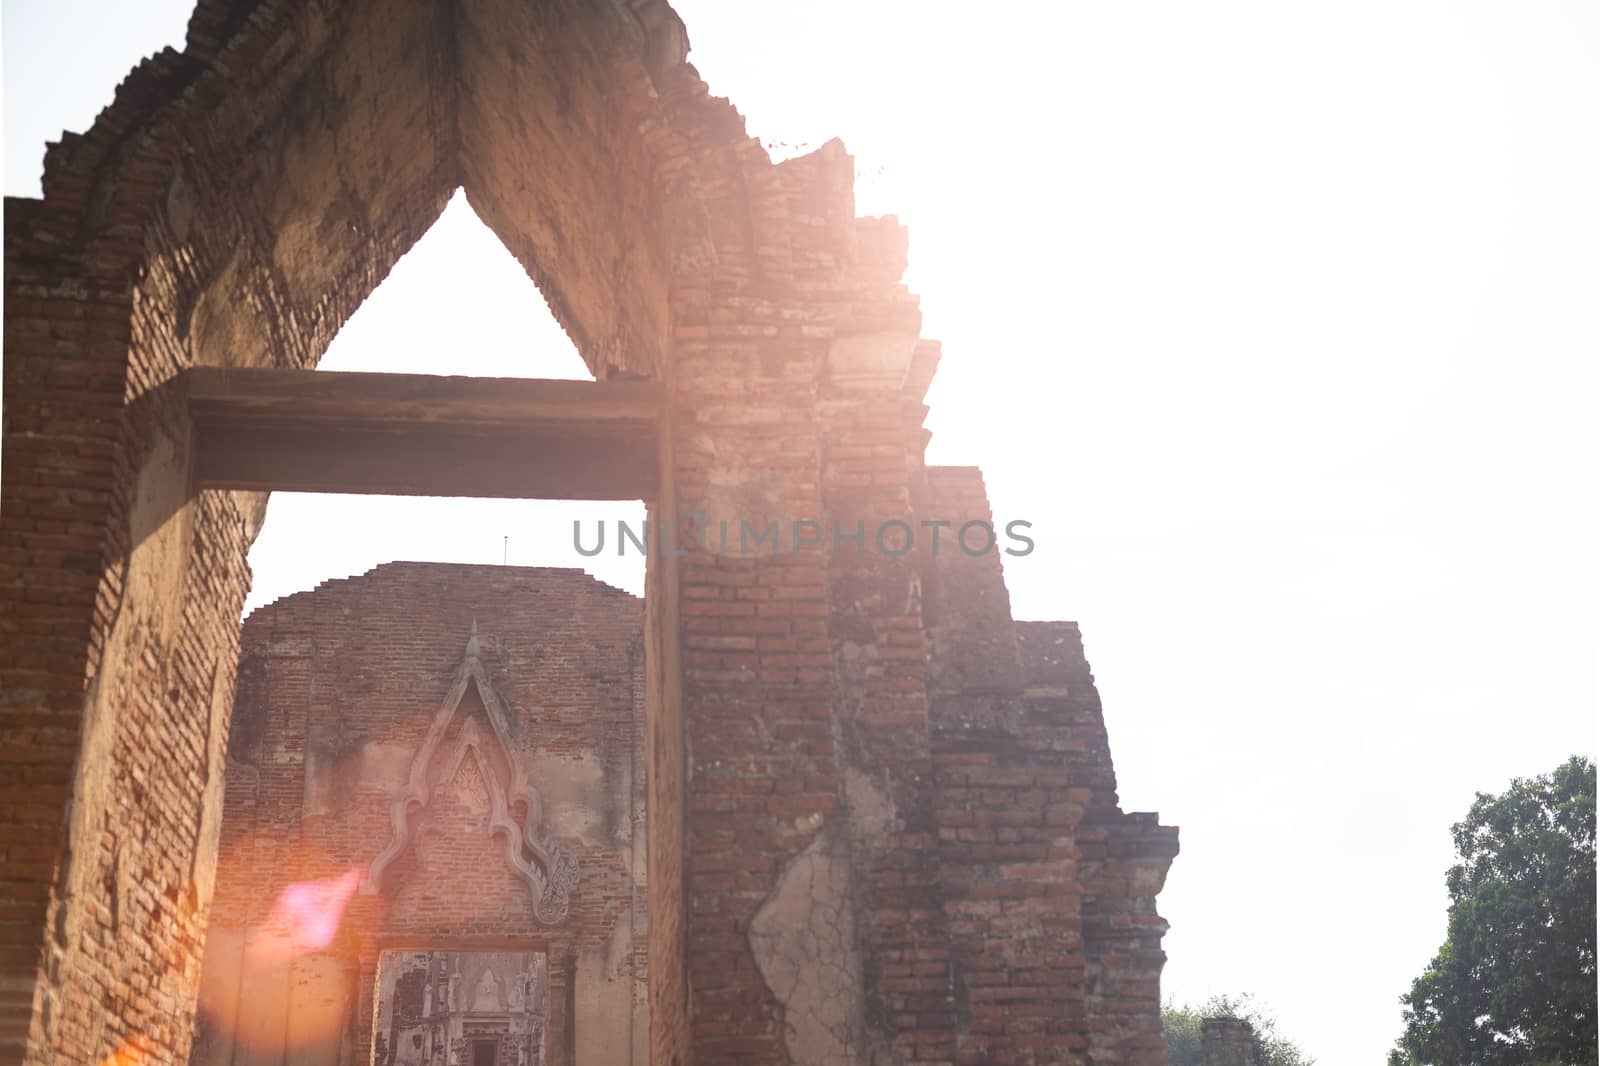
1514 983
1181 1024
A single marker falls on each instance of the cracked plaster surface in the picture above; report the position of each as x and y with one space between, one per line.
804 941
804 938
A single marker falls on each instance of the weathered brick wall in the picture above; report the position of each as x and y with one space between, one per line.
58 468
1122 857
338 690
1049 887
1007 811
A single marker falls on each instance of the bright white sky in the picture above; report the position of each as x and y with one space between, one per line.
1278 320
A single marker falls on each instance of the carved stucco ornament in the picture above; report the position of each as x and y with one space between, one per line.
545 863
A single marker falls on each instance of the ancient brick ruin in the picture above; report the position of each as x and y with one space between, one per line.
409 727
880 816
1227 1042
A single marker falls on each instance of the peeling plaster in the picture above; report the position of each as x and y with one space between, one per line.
871 812
804 941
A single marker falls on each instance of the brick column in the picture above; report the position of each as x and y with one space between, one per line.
120 595
65 364
760 777
875 624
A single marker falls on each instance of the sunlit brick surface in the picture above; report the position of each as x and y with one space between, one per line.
882 820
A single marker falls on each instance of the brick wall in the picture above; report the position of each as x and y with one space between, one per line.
1122 857
1007 812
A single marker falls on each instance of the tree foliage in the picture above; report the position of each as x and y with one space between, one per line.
1181 1024
1514 983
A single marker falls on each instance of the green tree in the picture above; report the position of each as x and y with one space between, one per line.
1514 983
1181 1024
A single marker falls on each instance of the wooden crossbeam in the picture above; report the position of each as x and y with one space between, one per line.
420 435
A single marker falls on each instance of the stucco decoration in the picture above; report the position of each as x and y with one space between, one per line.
545 863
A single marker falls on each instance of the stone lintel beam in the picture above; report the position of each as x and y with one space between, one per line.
418 434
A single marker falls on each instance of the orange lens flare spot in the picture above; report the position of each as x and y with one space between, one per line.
126 1055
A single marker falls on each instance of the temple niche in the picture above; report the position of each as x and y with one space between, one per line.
433 832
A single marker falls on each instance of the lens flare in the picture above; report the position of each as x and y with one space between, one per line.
306 915
126 1055
278 988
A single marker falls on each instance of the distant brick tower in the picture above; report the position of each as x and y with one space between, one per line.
1227 1042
